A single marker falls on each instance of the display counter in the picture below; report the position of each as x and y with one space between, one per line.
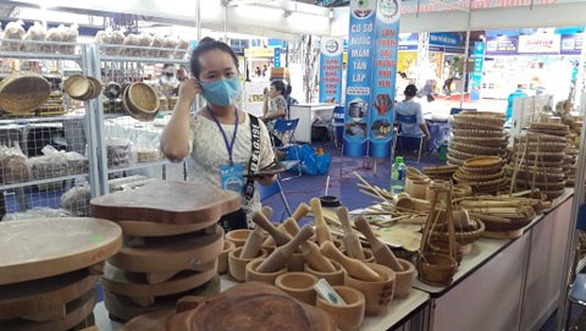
308 115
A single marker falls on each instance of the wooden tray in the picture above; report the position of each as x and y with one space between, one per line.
123 308
150 229
252 306
28 298
161 255
167 202
41 248
136 286
77 311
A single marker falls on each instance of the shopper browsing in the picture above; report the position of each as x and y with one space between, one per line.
221 142
275 105
167 81
413 123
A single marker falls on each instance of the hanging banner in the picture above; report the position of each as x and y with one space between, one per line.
330 70
277 57
359 77
476 82
386 46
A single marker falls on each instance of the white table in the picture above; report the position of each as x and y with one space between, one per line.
308 115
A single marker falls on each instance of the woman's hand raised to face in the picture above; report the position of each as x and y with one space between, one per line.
188 90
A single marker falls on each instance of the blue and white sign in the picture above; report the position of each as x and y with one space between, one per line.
277 57
476 81
386 46
330 70
359 77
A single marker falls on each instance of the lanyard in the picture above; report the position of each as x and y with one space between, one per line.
229 146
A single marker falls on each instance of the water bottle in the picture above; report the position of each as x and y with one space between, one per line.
398 175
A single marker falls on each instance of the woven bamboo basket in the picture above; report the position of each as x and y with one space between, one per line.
461 175
484 162
547 126
484 184
552 174
545 146
540 164
141 102
466 125
96 87
23 92
543 157
481 141
559 133
546 186
554 194
480 118
541 137
462 190
462 155
447 170
476 149
454 161
479 133
78 87
416 188
464 236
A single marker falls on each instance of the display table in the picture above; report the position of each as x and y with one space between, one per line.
401 312
308 115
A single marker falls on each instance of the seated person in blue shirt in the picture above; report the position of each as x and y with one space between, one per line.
409 115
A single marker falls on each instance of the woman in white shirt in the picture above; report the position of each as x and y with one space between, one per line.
218 139
409 115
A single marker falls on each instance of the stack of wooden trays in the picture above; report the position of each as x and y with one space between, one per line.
476 134
484 174
440 172
171 246
540 159
48 271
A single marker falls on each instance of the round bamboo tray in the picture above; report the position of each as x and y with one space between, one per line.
436 269
462 155
465 125
541 137
22 92
143 100
481 141
480 118
96 87
476 149
463 237
548 126
560 133
479 133
475 177
78 87
455 161
440 170
545 146
541 165
544 157
484 162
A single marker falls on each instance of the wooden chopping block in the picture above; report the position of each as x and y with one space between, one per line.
167 202
47 294
166 257
133 241
40 248
76 312
150 229
125 309
136 286
252 306
154 321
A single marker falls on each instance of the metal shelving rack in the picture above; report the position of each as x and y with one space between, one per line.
50 181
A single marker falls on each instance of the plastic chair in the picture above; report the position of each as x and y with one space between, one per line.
337 125
411 119
266 192
284 130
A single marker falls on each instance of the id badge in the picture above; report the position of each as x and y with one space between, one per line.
232 177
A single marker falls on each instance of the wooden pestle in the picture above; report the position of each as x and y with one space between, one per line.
290 226
268 211
353 267
322 231
262 221
301 211
351 242
382 253
282 254
315 259
256 238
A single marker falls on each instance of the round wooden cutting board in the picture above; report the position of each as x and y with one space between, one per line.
41 248
151 229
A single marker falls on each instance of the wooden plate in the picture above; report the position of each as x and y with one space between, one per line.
150 229
125 309
167 202
161 255
28 298
135 285
77 311
41 248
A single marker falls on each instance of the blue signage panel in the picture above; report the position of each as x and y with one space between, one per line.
330 70
475 83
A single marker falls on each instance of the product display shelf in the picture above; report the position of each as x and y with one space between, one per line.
139 166
36 50
400 312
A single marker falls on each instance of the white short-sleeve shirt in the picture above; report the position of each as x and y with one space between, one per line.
410 108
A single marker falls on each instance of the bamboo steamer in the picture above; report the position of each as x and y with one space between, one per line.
22 92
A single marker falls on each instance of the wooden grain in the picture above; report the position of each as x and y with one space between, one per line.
382 253
353 267
135 285
41 248
167 202
154 321
150 229
280 238
322 231
164 256
45 294
281 255
315 259
351 242
253 243
252 306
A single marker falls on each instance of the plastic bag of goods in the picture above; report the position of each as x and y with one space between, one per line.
14 165
35 33
116 38
13 31
131 40
36 213
54 35
170 43
69 35
77 201
157 42
181 49
76 163
144 40
119 153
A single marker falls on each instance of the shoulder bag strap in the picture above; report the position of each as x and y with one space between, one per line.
255 157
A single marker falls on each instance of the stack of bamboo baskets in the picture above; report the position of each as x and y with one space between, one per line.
484 174
476 134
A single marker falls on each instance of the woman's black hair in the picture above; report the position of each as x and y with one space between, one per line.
280 86
205 45
410 90
289 90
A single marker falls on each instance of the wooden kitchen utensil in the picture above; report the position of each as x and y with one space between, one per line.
315 259
334 278
253 275
240 306
223 258
238 236
322 231
268 211
253 243
298 285
39 248
351 243
291 227
279 237
281 255
405 279
353 267
349 317
302 210
237 265
381 252
167 202
378 294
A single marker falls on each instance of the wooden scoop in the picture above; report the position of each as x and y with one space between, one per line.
301 211
315 259
279 237
322 231
281 255
353 267
290 226
351 242
382 253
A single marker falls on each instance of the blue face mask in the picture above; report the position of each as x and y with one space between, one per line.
221 92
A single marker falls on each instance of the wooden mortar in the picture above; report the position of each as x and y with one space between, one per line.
223 258
298 285
350 316
334 278
378 294
238 237
405 279
296 262
237 265
252 275
354 267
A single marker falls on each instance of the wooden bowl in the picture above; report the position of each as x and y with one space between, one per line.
368 256
264 277
223 258
379 295
237 265
78 87
296 263
298 285
334 278
348 317
436 269
238 237
405 279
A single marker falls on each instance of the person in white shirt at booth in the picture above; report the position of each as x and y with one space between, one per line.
409 116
